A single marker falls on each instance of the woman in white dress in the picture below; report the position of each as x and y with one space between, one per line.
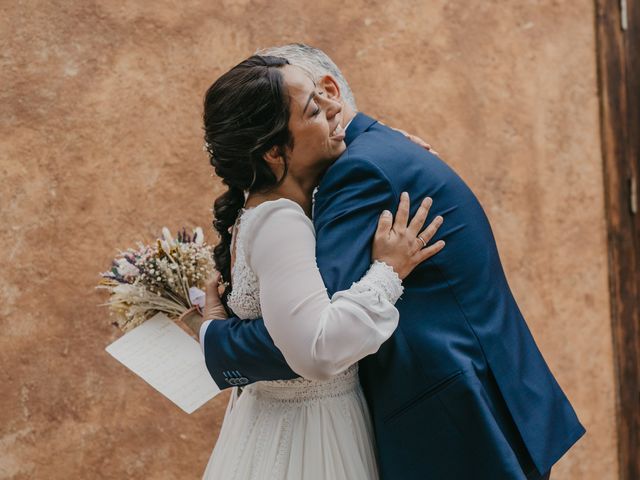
271 133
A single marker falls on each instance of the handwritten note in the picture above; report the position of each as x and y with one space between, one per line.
169 360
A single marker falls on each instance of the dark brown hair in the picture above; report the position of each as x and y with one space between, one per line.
246 114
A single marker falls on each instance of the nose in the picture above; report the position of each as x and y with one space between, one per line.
332 108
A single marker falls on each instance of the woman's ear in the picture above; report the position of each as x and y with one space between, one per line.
275 160
274 156
329 85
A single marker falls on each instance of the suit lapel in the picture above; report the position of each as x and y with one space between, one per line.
358 125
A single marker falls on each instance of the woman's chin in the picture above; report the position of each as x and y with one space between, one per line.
341 147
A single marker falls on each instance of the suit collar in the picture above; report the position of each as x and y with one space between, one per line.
359 124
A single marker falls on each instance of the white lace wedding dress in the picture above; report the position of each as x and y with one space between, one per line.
302 429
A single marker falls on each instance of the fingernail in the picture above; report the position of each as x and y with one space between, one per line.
439 219
386 213
428 200
405 195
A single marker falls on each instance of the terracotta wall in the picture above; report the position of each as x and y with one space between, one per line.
100 135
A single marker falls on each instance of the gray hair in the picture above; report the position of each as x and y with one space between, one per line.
314 61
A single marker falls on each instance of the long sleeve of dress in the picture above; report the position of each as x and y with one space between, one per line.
318 336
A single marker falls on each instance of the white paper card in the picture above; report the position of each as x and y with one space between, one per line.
167 358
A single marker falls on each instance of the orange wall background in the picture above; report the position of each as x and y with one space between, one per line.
101 146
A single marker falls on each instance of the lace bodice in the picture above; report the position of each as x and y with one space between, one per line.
244 298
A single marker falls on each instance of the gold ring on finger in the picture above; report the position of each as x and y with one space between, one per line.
424 244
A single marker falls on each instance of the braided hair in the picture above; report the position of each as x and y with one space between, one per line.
246 114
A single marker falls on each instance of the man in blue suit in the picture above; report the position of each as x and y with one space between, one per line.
460 391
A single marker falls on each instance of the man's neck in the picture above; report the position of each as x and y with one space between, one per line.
347 115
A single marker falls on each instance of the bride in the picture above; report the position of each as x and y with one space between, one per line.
271 133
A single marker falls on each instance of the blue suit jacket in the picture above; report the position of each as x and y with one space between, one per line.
460 391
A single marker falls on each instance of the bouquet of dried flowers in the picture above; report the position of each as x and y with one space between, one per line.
168 276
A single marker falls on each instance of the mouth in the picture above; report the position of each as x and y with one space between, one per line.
338 133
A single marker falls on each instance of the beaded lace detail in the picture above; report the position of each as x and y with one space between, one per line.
382 279
302 390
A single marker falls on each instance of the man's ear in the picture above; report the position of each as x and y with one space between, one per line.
329 85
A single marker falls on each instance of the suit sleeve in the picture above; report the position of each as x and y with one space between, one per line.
238 352
352 195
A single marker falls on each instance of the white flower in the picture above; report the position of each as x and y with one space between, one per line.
126 269
197 232
167 235
168 241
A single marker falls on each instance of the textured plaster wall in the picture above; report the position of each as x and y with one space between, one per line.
100 146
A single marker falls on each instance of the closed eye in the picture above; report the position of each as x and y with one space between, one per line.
318 109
